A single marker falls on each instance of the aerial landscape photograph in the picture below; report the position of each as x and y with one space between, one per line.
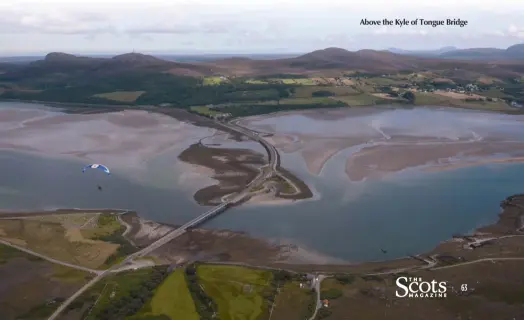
261 160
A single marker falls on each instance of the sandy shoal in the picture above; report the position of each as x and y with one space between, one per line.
377 161
126 138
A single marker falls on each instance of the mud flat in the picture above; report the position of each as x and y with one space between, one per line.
125 138
379 141
378 161
215 245
140 142
234 169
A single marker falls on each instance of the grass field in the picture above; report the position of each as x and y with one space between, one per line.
66 220
236 290
211 81
8 253
204 110
256 81
105 224
428 98
31 287
171 298
63 241
299 81
70 275
311 101
122 96
363 99
495 93
496 291
292 301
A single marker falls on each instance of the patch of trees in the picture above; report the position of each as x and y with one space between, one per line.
278 279
282 276
408 95
204 304
129 304
443 85
181 91
322 93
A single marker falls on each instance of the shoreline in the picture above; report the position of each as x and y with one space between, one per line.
510 223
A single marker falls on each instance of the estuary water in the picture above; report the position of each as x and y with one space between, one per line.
407 212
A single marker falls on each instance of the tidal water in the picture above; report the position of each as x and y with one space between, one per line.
406 213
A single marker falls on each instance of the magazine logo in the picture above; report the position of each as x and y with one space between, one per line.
409 287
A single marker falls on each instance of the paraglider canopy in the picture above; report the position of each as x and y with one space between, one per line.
97 166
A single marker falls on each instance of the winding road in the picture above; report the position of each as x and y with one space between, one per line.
268 171
274 163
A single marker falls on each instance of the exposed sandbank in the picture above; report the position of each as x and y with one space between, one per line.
126 138
375 162
388 140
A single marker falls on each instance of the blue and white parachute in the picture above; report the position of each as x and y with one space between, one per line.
96 166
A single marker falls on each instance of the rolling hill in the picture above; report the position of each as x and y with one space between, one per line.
512 52
422 53
333 61
66 66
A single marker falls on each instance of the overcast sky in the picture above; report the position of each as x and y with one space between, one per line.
250 26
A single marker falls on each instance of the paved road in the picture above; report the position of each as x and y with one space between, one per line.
480 260
317 281
36 254
77 294
274 163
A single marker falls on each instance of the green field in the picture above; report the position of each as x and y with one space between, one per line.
203 110
122 96
58 240
237 291
212 81
427 98
296 81
310 101
171 298
291 303
299 81
256 81
363 99
106 224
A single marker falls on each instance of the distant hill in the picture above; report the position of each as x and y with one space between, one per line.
332 61
325 60
422 53
68 68
513 52
64 65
